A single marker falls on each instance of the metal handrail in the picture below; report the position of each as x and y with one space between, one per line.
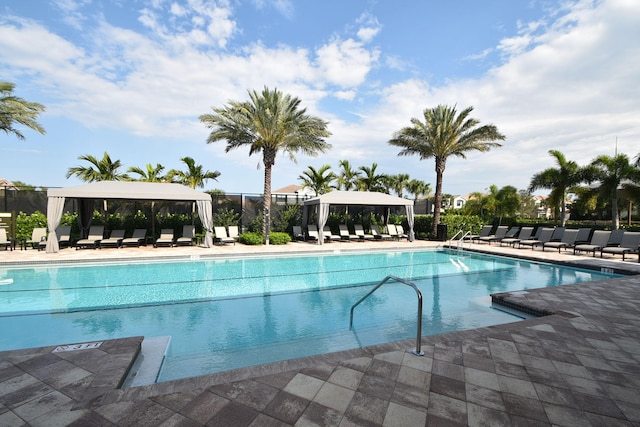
454 236
418 350
461 241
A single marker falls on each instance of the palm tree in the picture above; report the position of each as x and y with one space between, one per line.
150 174
418 188
194 176
318 180
348 177
559 180
614 173
17 110
507 202
444 133
370 180
398 183
101 170
269 122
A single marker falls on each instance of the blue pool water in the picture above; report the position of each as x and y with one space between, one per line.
234 312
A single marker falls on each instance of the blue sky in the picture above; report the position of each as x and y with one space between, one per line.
132 77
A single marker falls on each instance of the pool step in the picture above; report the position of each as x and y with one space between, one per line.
146 368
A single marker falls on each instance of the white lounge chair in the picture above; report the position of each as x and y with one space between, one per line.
312 232
377 234
96 234
138 238
188 236
345 234
234 232
115 239
166 238
359 231
38 235
328 234
222 236
4 240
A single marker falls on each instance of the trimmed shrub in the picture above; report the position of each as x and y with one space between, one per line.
279 238
251 238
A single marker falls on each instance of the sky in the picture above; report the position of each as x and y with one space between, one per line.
132 77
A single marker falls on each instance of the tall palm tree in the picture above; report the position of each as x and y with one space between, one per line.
100 170
559 180
445 133
370 180
194 176
17 110
318 180
270 122
348 177
613 173
150 173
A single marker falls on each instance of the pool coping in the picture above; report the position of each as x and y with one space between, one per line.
317 366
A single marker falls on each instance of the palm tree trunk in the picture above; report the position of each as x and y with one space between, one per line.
440 164
615 220
563 210
269 160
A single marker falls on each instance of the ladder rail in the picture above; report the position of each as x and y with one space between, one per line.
418 350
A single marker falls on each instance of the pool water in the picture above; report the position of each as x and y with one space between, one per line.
229 313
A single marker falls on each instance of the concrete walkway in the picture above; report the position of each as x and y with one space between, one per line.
579 366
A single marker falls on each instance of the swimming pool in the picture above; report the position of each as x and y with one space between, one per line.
227 313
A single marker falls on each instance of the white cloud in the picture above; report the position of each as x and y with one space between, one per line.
345 62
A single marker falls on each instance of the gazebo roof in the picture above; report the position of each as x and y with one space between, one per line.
123 190
358 198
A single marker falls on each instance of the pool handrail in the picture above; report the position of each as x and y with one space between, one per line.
418 350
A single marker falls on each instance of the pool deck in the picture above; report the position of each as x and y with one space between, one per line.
579 366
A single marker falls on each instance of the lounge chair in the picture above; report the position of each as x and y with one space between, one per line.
328 235
4 240
312 232
359 231
138 238
38 235
401 232
166 238
568 240
96 234
598 241
584 234
64 237
377 234
484 232
297 233
234 232
557 234
501 233
628 245
115 239
524 234
393 231
222 237
188 236
345 234
616 237
545 236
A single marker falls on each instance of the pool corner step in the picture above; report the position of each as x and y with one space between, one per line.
146 368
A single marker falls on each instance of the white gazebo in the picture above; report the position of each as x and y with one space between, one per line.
126 190
354 198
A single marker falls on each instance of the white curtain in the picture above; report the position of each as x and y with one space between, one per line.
206 217
410 220
55 205
323 215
